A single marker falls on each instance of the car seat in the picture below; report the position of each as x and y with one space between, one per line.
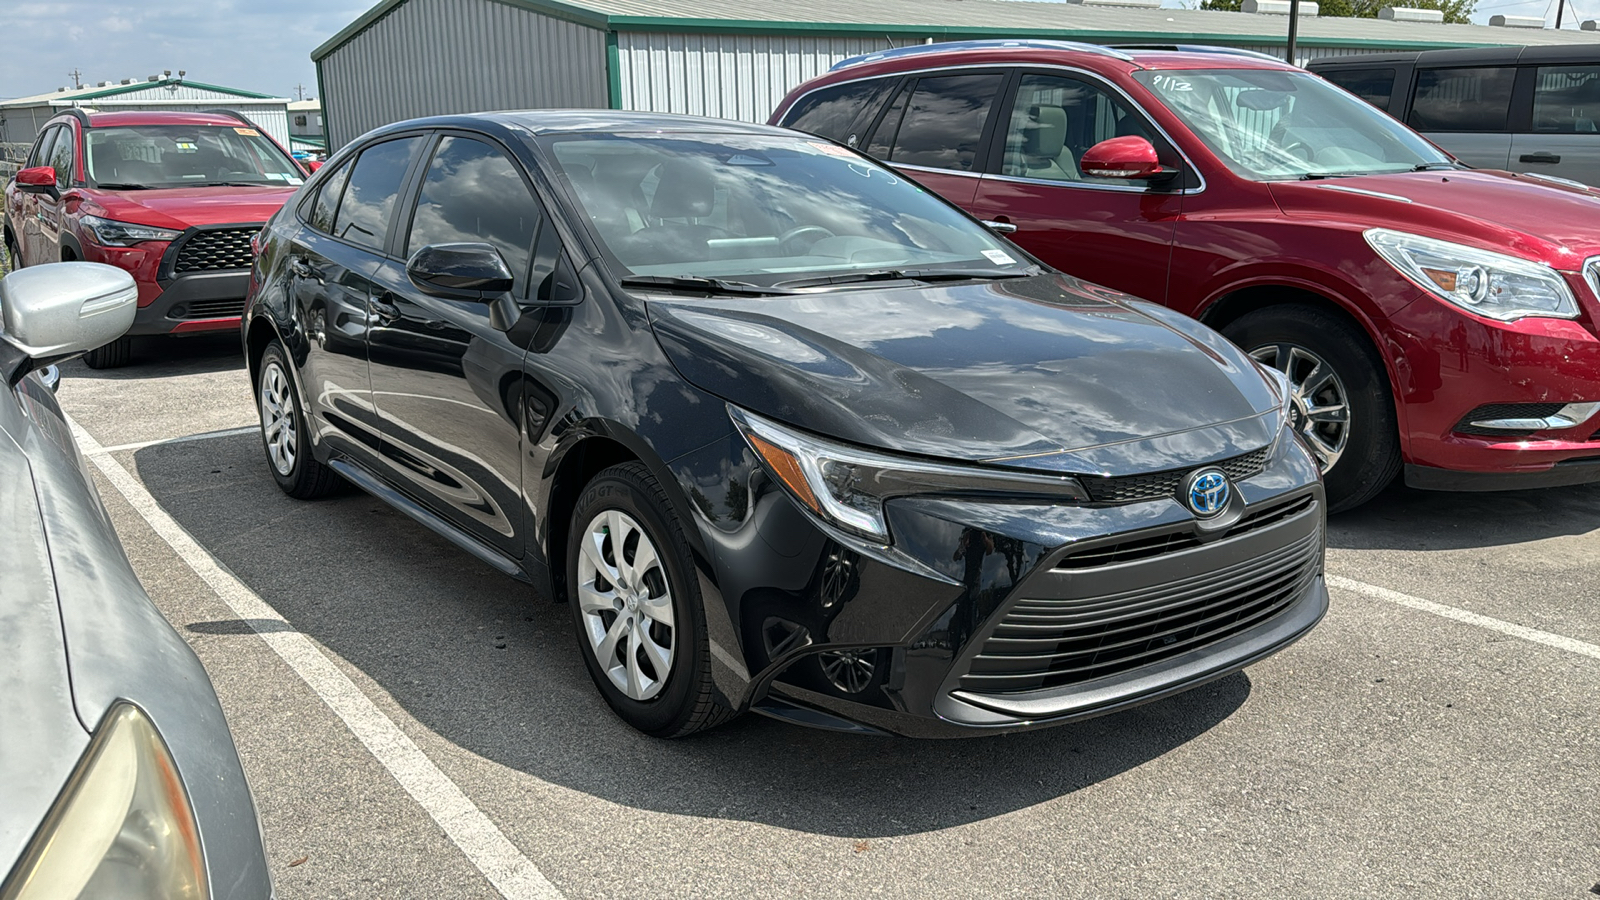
685 193
1044 138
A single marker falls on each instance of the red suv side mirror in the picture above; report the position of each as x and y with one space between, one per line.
37 180
311 165
1130 157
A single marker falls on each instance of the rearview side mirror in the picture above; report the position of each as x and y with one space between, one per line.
61 310
465 271
1130 157
37 180
312 165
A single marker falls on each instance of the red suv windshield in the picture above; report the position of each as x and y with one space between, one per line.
133 157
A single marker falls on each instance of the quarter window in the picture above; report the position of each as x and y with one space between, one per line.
1471 100
1375 86
369 199
323 213
942 122
474 193
1054 120
839 112
1566 100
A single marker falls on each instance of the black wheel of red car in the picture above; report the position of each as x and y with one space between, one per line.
13 255
284 435
1344 411
636 606
114 355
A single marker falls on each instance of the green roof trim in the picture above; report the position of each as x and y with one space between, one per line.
114 90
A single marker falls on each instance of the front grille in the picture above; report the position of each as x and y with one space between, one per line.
209 309
1505 411
1046 643
215 250
1135 488
1172 542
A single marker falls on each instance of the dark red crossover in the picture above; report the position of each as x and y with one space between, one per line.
172 197
1431 317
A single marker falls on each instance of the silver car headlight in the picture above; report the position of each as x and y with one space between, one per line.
122 827
1490 284
846 486
122 234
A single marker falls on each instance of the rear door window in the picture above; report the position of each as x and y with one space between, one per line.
1566 100
840 112
1375 86
1469 100
939 121
374 187
474 193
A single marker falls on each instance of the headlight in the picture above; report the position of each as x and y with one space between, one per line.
123 234
1489 284
846 486
122 826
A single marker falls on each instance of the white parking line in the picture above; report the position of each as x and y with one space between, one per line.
511 873
202 436
1534 635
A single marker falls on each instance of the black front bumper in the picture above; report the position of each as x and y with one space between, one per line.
1585 470
199 302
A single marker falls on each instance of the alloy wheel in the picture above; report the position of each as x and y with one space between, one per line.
626 604
1321 403
849 670
277 418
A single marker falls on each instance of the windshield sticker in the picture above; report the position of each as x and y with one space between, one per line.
999 257
247 132
186 146
830 150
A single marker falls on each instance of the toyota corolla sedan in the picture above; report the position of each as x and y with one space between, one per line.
786 431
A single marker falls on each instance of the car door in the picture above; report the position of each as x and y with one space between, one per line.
1562 136
1466 111
332 260
937 129
25 219
52 209
447 383
1108 231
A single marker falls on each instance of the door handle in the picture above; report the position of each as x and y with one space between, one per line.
999 227
1541 157
385 311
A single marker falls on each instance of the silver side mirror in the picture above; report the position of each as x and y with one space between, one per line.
55 312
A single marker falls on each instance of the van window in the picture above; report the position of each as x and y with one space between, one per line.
841 111
1566 100
1474 100
1375 86
943 121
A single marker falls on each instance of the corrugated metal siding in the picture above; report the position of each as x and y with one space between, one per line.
731 76
434 57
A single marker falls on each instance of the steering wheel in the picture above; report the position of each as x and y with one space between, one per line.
1302 150
791 234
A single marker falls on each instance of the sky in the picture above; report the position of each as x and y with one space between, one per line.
266 46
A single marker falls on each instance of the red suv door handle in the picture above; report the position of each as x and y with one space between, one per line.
1540 157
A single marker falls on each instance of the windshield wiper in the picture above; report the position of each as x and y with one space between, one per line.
697 283
907 275
1318 176
1423 167
112 186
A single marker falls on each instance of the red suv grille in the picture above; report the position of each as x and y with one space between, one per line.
209 251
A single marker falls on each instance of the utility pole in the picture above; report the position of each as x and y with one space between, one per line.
77 78
1560 5
299 92
1294 24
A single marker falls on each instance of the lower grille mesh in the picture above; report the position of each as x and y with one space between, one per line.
1134 488
215 250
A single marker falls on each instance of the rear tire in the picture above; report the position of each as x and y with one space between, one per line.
284 436
13 255
114 355
637 608
1365 447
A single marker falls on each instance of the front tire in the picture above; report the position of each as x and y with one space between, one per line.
636 606
114 355
284 435
1344 409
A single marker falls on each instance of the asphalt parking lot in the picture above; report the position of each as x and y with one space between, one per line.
416 725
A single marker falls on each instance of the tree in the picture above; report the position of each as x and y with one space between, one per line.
1456 12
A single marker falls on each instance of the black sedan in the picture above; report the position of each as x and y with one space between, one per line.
788 432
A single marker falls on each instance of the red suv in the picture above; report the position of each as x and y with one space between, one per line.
1428 315
173 197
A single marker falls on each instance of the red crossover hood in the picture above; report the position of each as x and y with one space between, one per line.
180 208
1523 215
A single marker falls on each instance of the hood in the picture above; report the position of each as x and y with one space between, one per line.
180 208
43 738
1545 220
1045 373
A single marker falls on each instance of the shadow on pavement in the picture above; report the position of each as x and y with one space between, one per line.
1404 519
480 661
163 357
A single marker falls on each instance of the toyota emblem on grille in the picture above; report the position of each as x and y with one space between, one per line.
1207 492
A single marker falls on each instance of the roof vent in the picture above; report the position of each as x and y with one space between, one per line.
127 81
1517 21
1590 25
61 90
1278 8
105 84
1407 14
153 78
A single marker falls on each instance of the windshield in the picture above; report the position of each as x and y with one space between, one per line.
161 156
1275 125
765 210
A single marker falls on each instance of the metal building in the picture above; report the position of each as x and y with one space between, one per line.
737 58
21 118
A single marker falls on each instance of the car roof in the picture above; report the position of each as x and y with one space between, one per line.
157 117
587 121
1014 52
